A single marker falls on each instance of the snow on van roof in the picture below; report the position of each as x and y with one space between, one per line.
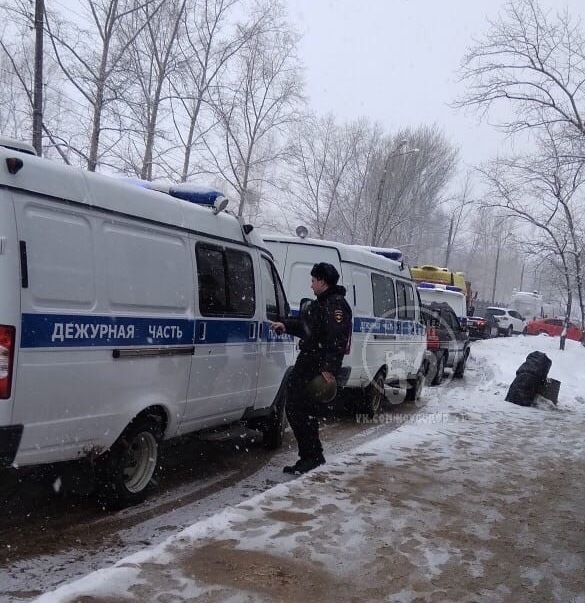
356 254
119 196
448 290
14 144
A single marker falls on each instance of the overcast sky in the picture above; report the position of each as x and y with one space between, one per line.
395 61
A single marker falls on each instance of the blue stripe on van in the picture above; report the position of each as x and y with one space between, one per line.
382 326
226 330
386 326
73 330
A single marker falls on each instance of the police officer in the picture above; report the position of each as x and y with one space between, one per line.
325 332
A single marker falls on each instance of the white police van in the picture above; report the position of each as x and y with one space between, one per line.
128 316
450 294
389 337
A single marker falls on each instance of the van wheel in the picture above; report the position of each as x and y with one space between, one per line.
415 387
126 470
374 395
275 426
436 378
459 370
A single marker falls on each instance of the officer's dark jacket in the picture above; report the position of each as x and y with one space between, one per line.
325 331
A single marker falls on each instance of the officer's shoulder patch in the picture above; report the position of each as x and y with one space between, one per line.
338 315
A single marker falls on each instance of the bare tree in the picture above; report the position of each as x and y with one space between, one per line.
348 215
254 106
152 57
319 159
533 62
90 59
545 192
16 92
459 208
405 188
212 37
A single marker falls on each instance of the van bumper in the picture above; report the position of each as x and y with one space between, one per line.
10 436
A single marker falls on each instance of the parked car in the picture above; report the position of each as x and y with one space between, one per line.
554 326
482 328
447 342
509 321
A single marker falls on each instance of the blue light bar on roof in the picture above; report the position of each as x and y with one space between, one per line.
426 286
391 254
202 195
454 288
194 193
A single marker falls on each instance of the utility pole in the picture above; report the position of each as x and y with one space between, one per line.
37 127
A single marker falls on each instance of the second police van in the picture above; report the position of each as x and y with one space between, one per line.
128 316
389 338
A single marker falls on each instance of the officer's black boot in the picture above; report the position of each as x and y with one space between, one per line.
304 465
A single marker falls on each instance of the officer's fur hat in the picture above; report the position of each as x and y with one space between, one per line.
325 272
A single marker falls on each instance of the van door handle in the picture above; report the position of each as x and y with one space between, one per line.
252 331
201 331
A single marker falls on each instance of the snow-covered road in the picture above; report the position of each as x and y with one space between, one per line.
48 540
472 499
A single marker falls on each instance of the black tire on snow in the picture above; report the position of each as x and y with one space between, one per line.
415 387
437 378
459 370
373 400
275 425
125 472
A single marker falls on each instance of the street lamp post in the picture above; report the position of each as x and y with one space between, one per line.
397 152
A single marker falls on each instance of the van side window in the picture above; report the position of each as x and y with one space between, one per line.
273 292
406 307
384 296
226 281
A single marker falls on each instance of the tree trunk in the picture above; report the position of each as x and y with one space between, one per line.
495 275
567 318
189 143
449 241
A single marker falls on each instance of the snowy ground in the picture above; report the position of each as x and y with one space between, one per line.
474 499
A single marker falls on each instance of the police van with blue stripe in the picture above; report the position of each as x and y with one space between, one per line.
128 316
389 338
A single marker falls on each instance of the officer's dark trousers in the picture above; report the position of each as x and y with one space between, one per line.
301 414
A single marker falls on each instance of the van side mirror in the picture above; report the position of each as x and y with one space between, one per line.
304 306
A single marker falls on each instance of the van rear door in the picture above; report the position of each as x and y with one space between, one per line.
300 259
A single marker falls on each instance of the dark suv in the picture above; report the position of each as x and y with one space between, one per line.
447 342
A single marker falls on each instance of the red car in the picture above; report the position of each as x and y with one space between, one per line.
553 326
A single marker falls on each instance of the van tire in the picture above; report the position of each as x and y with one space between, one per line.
439 367
126 470
415 387
374 396
459 370
275 425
